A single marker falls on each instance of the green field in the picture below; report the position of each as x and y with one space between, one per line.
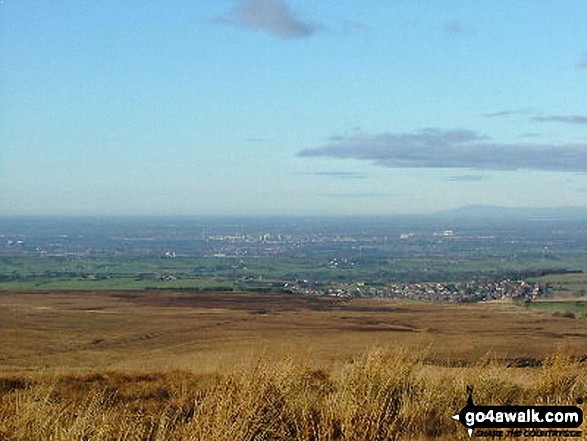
563 308
270 272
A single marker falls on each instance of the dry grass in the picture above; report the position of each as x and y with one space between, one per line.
190 366
385 394
205 333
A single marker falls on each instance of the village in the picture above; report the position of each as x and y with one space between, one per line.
453 292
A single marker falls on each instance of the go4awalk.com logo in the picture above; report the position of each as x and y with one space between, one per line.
526 421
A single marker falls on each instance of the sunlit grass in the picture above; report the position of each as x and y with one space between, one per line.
384 394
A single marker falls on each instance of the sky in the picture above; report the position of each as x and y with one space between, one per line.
291 107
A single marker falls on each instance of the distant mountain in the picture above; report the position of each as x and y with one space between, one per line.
489 212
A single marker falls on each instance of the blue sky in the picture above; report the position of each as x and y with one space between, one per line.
291 107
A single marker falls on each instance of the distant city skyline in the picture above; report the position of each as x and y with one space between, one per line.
291 107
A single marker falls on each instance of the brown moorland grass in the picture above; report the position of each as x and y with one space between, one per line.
84 332
234 366
384 394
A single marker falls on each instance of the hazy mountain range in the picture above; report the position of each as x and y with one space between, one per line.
490 212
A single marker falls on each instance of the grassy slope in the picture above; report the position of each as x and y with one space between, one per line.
382 395
242 366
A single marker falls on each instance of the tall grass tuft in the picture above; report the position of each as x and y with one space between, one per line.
386 394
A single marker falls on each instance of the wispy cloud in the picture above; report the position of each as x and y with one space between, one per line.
338 175
272 16
505 113
454 27
349 27
467 178
360 195
435 148
567 119
530 135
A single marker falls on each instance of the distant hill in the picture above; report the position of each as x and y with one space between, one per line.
489 212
